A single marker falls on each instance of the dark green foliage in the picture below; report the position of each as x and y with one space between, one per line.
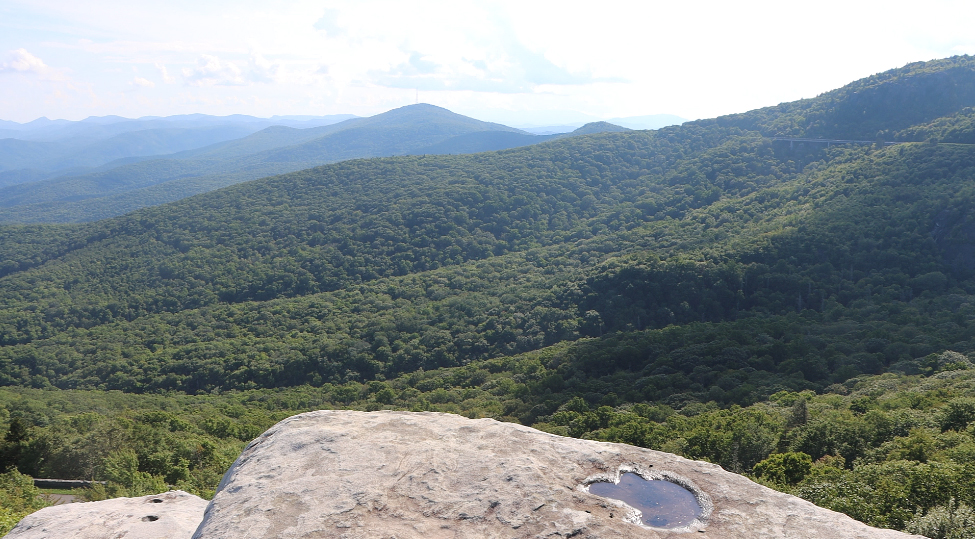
884 104
124 479
389 277
138 444
482 141
799 415
18 498
252 250
785 468
958 414
956 128
13 449
697 289
888 467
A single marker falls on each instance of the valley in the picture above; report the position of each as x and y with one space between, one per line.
800 313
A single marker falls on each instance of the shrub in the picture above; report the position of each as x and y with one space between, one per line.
952 521
18 498
124 479
784 468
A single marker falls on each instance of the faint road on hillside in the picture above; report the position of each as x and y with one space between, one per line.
829 141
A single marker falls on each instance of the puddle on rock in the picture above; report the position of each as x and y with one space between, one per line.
663 504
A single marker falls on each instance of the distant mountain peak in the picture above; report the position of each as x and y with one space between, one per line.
425 111
598 127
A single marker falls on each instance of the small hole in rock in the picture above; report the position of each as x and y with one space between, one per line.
156 500
150 518
663 504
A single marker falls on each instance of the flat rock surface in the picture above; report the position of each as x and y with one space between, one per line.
170 515
403 475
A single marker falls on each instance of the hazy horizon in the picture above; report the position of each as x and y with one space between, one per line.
513 63
652 121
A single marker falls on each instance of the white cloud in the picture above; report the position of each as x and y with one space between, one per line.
145 83
212 71
512 68
615 58
21 61
329 23
480 52
167 78
262 70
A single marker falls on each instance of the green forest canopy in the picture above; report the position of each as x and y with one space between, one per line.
797 312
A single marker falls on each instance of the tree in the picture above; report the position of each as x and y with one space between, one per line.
124 479
784 468
14 444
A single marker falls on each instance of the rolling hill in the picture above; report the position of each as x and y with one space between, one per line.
274 150
129 184
881 105
45 148
647 229
104 127
704 289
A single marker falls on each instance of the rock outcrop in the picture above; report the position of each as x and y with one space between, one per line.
404 475
408 475
170 515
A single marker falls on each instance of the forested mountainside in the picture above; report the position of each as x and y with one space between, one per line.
882 105
129 184
702 289
598 252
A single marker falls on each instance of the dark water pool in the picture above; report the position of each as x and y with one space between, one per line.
663 504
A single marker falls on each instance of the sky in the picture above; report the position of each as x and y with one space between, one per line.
521 62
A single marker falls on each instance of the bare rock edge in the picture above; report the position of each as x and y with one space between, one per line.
174 514
405 475
429 475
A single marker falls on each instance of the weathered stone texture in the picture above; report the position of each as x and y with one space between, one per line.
170 515
404 475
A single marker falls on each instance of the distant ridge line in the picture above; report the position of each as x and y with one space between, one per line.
829 141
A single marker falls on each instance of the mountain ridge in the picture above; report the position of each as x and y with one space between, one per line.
273 150
879 105
804 313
